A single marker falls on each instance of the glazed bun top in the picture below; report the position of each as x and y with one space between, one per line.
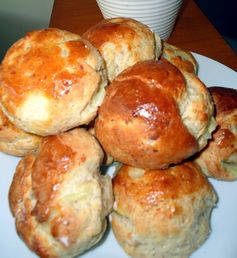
57 160
51 81
150 188
156 212
153 115
122 42
59 198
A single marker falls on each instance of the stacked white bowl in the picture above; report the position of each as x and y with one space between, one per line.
159 15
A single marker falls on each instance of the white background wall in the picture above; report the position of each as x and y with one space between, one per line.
19 16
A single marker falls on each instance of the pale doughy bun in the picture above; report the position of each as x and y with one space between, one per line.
51 81
14 141
154 116
219 158
123 42
162 213
59 198
179 57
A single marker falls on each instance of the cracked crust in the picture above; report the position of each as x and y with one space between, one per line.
58 197
153 115
51 81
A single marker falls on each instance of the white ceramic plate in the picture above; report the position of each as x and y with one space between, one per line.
222 240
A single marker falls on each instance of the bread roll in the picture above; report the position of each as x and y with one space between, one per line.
58 197
51 81
14 141
154 116
179 57
162 213
219 158
123 42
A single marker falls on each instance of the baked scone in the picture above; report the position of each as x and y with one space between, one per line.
162 213
153 115
15 141
219 158
51 81
58 197
123 42
179 57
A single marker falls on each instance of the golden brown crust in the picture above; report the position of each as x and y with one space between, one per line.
48 63
122 42
113 30
222 149
58 198
140 121
47 178
157 185
157 211
160 74
149 187
47 77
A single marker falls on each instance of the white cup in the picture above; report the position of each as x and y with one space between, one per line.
159 15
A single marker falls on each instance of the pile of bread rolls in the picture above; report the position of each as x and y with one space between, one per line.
117 93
